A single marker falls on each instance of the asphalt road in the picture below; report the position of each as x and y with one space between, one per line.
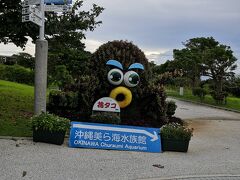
186 110
213 154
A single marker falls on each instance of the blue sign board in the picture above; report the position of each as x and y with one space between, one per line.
116 137
58 2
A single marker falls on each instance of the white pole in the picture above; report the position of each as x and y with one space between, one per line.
41 29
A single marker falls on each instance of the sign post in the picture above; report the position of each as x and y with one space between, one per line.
34 11
115 137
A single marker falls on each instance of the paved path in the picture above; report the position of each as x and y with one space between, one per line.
213 150
187 110
213 154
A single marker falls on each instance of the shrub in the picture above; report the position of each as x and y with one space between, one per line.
62 76
17 74
63 99
174 119
50 122
176 131
200 92
105 117
2 68
219 97
235 91
171 108
153 105
64 104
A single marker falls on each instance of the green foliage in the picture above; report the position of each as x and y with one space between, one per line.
76 61
176 131
71 26
232 102
60 100
24 59
105 117
233 86
61 76
46 121
167 77
219 97
181 82
200 92
205 56
168 66
153 105
76 99
189 63
171 108
12 29
16 73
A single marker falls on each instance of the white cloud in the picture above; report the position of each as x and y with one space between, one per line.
92 45
10 49
159 26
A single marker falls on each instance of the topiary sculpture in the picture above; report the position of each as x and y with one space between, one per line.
135 112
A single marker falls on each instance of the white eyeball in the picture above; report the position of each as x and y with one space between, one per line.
131 79
115 76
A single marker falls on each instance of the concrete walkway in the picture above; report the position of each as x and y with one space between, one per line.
213 154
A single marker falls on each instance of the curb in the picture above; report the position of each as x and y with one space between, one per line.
204 104
197 177
21 138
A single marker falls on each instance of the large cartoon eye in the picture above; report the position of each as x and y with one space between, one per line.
115 76
131 79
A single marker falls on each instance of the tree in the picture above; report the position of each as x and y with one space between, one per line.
24 59
12 29
70 25
76 62
219 63
62 76
206 56
168 66
190 64
233 85
190 58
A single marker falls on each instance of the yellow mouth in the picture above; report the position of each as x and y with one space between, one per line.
125 92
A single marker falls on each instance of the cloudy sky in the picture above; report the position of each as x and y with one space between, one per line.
159 26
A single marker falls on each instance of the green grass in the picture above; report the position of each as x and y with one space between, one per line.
16 108
232 102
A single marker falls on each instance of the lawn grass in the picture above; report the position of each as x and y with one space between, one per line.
232 102
16 108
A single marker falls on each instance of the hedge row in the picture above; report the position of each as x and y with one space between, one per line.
17 74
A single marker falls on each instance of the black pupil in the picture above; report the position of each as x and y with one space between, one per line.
115 76
120 97
134 79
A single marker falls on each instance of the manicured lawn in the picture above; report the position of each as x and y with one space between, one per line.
232 102
16 108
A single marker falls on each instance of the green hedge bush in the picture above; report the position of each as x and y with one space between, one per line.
171 108
200 92
16 73
105 117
